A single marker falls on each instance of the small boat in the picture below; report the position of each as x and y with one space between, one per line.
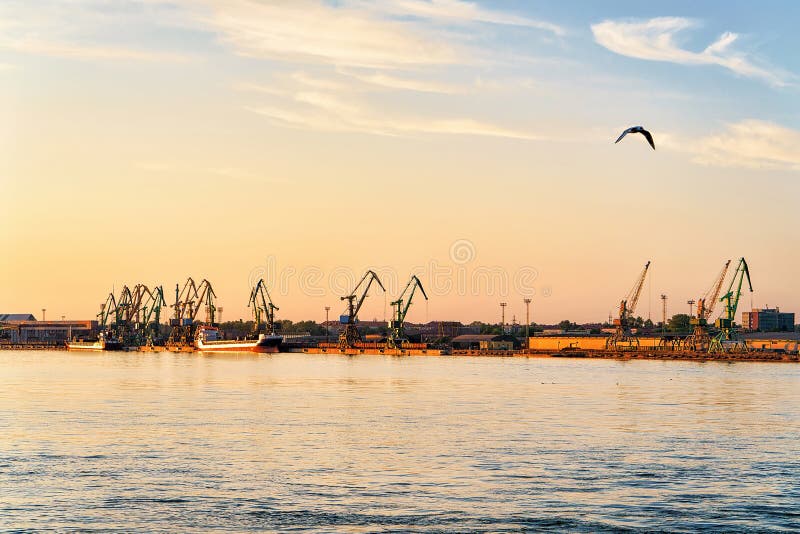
208 339
101 343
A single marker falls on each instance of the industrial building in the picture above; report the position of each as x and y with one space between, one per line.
767 320
24 328
485 342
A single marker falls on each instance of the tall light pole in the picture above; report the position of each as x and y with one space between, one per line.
503 317
691 307
43 310
527 323
327 326
663 314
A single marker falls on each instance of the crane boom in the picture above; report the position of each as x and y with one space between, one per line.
704 311
152 306
349 335
185 300
727 340
623 338
396 326
636 291
106 309
262 304
124 303
700 338
369 277
206 296
731 297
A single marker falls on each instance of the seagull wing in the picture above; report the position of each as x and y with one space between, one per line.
622 135
649 138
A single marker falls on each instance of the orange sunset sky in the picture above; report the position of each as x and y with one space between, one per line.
147 141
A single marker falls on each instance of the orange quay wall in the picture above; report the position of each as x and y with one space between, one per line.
556 343
581 342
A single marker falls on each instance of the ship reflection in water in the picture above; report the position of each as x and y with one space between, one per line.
159 441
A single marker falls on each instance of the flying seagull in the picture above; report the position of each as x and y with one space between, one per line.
637 129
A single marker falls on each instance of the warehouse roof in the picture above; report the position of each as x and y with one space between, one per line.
14 317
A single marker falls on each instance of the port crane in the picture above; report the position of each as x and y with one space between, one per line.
184 303
727 340
206 298
623 338
134 311
121 315
188 302
263 308
150 324
700 337
396 326
106 309
349 335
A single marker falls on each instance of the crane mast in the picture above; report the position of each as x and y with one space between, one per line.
349 335
623 338
396 325
727 340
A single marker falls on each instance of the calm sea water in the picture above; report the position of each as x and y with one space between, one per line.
166 442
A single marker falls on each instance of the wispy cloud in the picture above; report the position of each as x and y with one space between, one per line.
388 81
654 40
457 11
355 33
314 32
345 102
320 111
371 123
751 144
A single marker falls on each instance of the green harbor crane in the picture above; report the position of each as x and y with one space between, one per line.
623 338
106 309
349 334
206 298
150 326
397 335
263 309
727 340
700 337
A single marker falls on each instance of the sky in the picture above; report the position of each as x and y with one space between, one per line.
471 143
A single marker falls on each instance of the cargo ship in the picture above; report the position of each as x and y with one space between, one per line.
101 343
208 339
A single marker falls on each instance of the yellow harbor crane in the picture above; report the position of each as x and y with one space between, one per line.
623 338
700 336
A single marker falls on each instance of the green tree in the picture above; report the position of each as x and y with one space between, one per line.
567 325
678 323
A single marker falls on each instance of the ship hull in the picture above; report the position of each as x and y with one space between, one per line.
93 346
264 344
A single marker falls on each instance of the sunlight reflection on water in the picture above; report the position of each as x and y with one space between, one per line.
240 442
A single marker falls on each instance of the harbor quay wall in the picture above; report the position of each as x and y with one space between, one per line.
583 342
558 343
